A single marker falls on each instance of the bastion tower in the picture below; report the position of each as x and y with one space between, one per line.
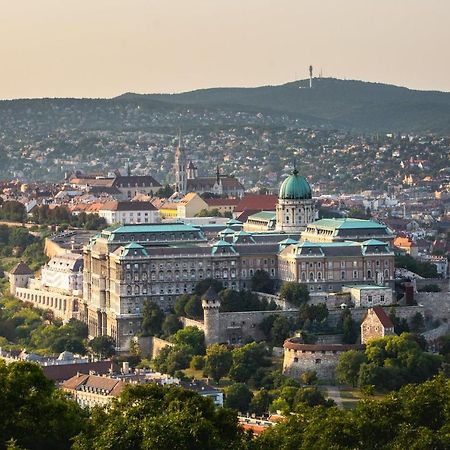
19 277
211 305
295 207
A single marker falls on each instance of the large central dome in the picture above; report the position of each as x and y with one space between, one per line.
295 187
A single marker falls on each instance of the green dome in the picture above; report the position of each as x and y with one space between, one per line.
295 187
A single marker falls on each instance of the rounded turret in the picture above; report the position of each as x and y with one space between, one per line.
211 318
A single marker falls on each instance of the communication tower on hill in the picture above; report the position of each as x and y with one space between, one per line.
310 76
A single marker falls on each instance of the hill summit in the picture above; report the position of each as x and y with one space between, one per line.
341 104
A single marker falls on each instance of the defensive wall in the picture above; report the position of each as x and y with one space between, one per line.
150 346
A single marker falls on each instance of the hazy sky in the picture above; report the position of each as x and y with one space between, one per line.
102 48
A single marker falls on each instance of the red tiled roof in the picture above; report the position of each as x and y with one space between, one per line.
221 201
256 202
128 206
65 371
382 317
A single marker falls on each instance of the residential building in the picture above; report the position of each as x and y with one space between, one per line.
129 212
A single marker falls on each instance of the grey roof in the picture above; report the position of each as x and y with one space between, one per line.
211 295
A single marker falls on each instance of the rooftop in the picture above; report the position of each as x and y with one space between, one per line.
343 224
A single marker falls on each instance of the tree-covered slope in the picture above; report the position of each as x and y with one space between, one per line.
344 104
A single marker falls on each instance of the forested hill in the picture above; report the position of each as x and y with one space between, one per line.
341 104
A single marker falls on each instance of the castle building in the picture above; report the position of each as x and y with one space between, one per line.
341 230
319 358
295 207
59 290
127 265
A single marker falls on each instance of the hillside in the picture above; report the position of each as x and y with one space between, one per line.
342 104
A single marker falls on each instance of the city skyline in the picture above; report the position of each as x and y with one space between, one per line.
80 49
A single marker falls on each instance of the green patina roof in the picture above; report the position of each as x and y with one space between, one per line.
227 231
154 228
221 244
234 222
263 215
133 246
295 187
366 286
349 223
373 242
242 233
328 244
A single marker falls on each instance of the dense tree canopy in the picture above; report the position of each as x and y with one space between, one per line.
33 412
261 282
153 417
295 293
415 417
388 363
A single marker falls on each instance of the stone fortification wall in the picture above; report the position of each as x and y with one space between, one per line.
283 304
436 304
192 323
236 327
358 313
151 345
443 283
319 358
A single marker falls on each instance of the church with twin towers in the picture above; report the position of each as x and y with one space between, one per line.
187 179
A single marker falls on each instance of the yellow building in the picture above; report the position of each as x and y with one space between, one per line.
190 205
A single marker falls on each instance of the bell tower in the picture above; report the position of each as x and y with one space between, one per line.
180 168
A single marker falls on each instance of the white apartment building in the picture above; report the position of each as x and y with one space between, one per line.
129 212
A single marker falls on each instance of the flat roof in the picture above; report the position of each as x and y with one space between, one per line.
367 286
153 228
346 224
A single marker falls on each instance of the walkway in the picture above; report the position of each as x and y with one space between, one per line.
334 393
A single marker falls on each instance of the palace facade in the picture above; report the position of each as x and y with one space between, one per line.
130 264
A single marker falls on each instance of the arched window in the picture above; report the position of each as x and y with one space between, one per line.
136 289
319 275
386 273
369 274
303 276
311 276
129 290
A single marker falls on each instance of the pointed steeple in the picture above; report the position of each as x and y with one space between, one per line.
217 174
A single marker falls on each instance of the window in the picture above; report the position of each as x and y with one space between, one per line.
355 274
369 298
342 263
369 274
342 275
382 298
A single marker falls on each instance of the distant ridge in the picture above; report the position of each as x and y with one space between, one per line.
342 104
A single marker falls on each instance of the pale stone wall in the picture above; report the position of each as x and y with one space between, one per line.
192 323
323 363
63 306
150 346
